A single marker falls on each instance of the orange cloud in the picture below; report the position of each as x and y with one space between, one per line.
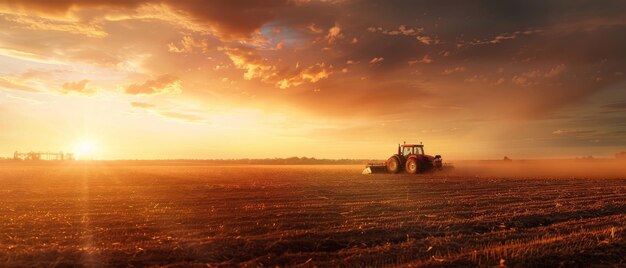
315 73
504 36
187 45
47 24
402 30
334 33
255 66
427 40
15 84
418 32
377 60
281 76
310 74
162 84
79 87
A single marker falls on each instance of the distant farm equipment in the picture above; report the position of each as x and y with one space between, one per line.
411 159
57 156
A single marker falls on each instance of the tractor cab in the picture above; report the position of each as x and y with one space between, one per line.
410 149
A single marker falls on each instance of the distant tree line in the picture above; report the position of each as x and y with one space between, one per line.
246 161
287 161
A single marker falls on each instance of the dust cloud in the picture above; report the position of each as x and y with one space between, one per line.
574 168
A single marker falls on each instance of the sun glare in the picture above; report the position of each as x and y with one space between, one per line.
85 150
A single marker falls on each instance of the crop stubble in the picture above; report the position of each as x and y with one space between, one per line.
103 214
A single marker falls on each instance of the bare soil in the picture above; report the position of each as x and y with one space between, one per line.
103 214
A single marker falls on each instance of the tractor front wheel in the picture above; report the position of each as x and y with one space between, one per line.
393 165
412 166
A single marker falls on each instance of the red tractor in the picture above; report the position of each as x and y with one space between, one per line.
410 158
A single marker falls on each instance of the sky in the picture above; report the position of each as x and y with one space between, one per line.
144 79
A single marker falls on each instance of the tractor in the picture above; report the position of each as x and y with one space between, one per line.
410 158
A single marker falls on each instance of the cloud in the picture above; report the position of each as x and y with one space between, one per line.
168 113
310 74
313 28
334 33
458 69
521 80
427 40
571 132
78 87
187 45
403 30
426 59
162 84
232 19
377 60
315 73
536 77
13 83
476 78
555 71
47 24
255 66
504 36
143 105
223 17
281 76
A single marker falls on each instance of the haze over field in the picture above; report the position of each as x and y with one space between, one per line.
328 79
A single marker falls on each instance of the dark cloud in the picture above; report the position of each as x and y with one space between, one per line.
231 18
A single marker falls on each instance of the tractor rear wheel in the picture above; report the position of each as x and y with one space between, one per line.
412 166
393 165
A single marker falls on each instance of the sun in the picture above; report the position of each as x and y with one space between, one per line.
85 149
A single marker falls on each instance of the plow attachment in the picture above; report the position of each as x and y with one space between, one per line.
375 167
381 167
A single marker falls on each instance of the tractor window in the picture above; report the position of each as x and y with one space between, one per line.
419 150
407 151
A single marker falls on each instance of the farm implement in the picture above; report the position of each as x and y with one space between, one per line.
411 159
